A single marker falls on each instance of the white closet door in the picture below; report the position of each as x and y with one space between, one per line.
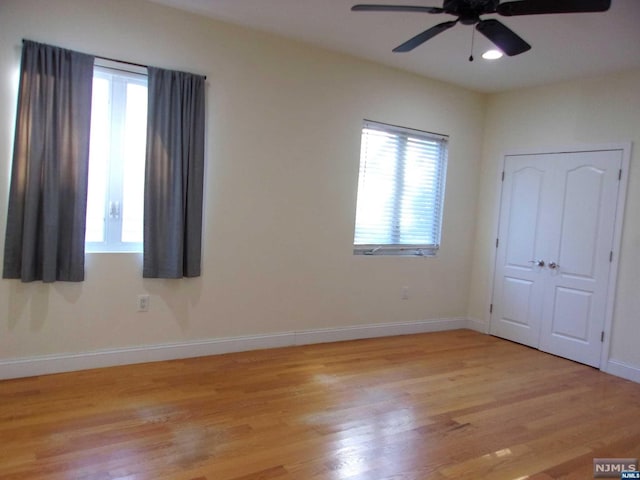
553 260
519 275
579 260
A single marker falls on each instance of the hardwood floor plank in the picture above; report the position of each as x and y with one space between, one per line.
420 407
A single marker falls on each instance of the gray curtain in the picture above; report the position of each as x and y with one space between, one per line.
47 199
174 175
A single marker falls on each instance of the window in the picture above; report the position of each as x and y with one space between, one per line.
400 191
115 199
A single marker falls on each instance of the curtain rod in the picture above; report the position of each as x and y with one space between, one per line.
141 65
121 61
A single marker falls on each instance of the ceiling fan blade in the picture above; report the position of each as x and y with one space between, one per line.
538 7
395 8
503 37
424 36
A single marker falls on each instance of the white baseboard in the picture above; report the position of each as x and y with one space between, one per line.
621 369
340 334
48 364
477 325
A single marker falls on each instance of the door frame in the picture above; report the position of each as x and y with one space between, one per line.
625 149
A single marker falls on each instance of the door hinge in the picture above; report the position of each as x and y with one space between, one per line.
491 308
497 242
503 176
620 174
611 256
602 336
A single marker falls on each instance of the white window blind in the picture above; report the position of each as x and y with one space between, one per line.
400 191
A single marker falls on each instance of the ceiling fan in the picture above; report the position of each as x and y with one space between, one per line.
469 12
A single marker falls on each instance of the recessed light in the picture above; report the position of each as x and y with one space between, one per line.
492 54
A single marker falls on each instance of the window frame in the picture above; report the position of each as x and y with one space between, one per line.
403 134
112 242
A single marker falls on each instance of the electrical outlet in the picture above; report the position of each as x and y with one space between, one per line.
405 293
143 302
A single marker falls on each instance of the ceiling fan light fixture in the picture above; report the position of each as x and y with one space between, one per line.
492 54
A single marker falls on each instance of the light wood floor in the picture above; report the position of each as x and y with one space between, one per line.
450 405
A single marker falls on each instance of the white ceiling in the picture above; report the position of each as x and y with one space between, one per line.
564 46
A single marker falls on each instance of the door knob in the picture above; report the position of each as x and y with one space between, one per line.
554 266
538 263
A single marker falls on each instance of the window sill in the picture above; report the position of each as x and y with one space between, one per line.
410 251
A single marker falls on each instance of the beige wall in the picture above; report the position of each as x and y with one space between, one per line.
585 112
282 152
282 162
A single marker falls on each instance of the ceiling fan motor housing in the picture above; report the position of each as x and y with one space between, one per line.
469 11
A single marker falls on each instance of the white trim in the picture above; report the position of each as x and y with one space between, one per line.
497 206
478 325
597 147
340 334
621 369
48 364
616 246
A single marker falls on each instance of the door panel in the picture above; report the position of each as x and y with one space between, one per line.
572 309
580 217
517 301
526 191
